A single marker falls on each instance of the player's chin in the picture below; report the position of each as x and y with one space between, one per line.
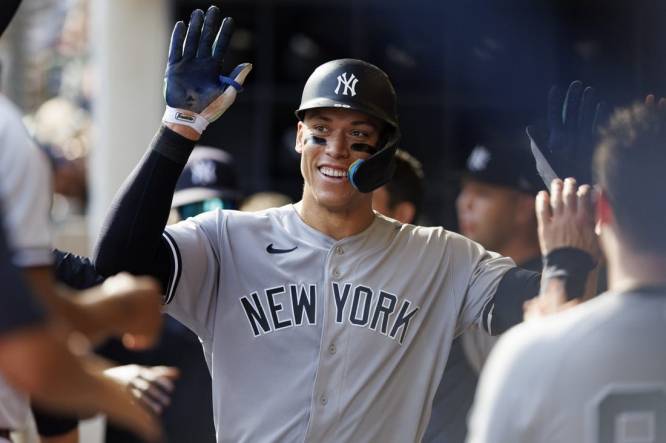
335 199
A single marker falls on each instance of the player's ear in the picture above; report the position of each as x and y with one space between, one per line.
300 129
604 211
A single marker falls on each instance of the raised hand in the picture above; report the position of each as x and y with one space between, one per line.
566 149
196 91
566 218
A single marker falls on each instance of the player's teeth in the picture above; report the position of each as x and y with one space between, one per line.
332 172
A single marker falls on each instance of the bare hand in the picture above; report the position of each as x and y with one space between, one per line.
150 386
551 302
133 304
121 408
566 218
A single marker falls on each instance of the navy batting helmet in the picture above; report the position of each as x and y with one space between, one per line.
360 86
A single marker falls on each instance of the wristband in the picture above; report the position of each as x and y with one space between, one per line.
571 265
185 117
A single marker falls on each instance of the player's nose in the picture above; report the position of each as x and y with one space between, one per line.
337 146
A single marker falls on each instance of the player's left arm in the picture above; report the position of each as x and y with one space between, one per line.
567 205
570 250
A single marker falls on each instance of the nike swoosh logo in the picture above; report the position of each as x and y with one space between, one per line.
271 250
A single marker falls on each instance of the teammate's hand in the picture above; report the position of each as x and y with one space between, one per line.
118 403
139 298
194 84
566 218
566 149
548 303
130 306
150 386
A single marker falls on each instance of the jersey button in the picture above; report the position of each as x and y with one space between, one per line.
336 273
339 250
332 349
323 399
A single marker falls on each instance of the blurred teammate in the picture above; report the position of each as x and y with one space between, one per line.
595 373
495 207
208 182
25 193
122 305
402 197
496 203
34 360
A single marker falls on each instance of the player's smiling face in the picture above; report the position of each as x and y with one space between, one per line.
329 141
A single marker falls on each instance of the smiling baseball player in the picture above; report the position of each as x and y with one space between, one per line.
320 321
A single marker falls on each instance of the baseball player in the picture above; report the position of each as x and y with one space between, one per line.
596 373
320 321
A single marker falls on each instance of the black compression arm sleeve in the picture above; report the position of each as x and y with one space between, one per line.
506 309
131 238
518 285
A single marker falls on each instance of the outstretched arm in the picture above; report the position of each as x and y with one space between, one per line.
196 94
566 221
570 250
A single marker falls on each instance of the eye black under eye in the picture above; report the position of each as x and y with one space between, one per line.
313 139
364 147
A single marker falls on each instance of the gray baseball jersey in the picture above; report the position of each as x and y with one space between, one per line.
312 339
594 374
25 196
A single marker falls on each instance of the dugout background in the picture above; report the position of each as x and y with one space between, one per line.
461 69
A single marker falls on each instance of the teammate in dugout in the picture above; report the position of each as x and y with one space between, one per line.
597 373
320 321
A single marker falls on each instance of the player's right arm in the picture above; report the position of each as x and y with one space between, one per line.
196 94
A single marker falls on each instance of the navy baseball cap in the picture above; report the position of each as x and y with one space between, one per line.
210 173
512 167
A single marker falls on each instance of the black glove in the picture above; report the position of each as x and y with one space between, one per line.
566 149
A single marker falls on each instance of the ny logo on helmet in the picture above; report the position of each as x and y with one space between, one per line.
203 173
348 83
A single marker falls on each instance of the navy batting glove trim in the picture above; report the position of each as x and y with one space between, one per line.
228 81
